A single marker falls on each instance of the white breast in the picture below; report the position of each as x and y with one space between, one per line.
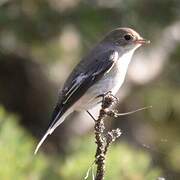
120 71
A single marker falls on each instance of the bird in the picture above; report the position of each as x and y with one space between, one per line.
102 70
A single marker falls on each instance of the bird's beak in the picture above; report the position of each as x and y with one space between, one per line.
142 41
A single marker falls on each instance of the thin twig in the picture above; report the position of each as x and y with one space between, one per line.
114 114
90 168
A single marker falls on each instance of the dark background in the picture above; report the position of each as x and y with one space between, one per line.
40 43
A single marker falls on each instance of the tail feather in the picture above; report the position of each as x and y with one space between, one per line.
50 130
42 140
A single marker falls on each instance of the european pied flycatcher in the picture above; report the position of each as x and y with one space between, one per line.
101 71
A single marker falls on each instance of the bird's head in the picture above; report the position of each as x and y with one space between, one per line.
125 38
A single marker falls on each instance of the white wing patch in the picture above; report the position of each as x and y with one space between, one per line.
74 86
114 57
80 78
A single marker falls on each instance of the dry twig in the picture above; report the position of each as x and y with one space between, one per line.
103 141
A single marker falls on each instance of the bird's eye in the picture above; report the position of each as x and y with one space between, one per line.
128 37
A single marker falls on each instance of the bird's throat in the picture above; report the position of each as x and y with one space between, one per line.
123 62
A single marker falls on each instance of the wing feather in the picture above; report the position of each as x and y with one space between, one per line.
79 84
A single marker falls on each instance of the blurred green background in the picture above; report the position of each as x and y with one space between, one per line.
40 43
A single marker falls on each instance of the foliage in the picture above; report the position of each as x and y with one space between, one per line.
17 159
123 162
16 152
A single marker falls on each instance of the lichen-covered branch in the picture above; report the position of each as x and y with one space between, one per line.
100 141
103 141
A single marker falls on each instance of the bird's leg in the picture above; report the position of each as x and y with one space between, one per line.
91 115
109 93
107 97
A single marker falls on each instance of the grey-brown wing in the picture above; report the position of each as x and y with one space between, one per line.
83 81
